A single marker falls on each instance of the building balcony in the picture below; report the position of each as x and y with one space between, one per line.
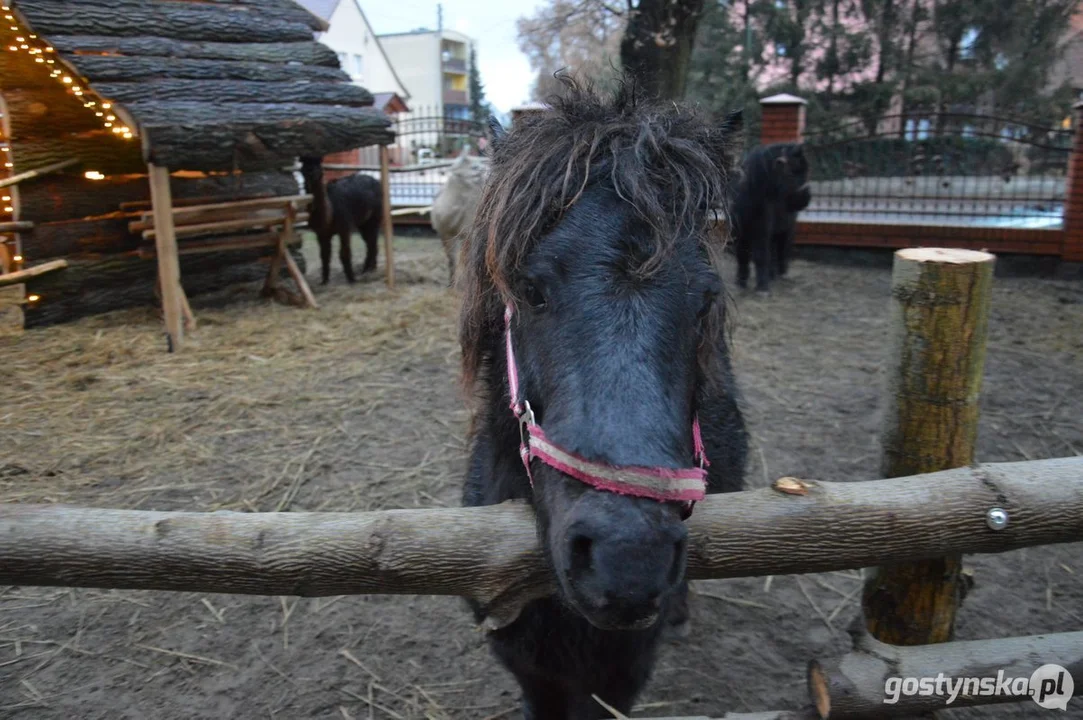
455 65
455 97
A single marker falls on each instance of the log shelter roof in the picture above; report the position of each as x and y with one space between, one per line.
213 85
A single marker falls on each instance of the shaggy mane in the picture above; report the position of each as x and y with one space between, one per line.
669 163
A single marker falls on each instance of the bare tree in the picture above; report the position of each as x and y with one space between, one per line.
582 36
653 40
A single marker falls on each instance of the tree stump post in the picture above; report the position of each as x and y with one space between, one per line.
938 319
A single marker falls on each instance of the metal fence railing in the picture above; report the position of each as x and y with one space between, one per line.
959 169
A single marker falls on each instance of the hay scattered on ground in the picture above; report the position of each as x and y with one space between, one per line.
264 398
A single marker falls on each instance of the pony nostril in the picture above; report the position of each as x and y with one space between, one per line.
676 570
581 547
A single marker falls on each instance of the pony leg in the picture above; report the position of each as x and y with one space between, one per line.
761 257
678 618
345 254
325 257
744 257
370 232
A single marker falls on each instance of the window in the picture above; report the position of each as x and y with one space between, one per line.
343 59
358 68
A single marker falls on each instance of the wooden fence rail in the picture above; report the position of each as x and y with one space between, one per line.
491 553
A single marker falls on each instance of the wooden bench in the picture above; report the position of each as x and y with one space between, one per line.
238 225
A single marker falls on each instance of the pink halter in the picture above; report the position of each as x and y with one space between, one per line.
664 484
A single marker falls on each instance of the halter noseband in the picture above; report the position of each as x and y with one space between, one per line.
685 485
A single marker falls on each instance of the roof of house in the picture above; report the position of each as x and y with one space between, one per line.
324 9
390 102
205 86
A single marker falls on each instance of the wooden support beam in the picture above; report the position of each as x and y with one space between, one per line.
16 226
388 226
492 553
168 261
21 276
939 313
30 174
868 681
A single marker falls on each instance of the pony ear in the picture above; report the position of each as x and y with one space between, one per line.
496 132
733 122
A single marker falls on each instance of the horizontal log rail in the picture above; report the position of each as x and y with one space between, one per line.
44 170
21 276
492 555
16 226
867 682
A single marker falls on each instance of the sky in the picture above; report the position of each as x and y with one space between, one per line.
505 71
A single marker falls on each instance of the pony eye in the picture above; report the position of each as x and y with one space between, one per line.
534 296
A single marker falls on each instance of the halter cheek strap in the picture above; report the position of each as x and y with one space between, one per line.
685 485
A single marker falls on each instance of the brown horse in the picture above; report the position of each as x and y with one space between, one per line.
591 257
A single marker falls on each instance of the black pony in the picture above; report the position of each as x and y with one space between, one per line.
593 226
344 205
773 189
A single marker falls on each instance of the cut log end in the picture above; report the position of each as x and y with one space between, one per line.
954 256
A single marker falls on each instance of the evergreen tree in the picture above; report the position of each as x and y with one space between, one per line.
479 108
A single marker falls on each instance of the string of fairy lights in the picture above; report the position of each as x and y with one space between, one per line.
22 40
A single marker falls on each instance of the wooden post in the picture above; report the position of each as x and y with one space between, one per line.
783 119
939 313
165 241
1072 249
388 227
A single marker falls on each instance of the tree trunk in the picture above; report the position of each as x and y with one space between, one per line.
118 68
178 20
236 91
99 150
307 53
115 282
910 47
97 235
939 314
196 136
860 684
657 45
492 555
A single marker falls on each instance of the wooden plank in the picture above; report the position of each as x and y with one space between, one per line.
388 226
168 261
183 231
21 276
217 244
192 213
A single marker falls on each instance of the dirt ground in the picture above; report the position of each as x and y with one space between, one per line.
356 407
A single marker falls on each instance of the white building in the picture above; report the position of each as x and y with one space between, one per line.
435 65
359 49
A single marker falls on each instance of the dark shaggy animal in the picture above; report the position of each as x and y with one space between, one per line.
344 205
594 225
772 191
